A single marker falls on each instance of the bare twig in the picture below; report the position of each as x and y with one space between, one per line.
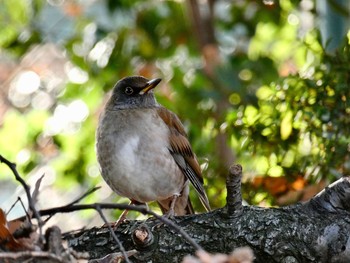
122 249
52 211
233 185
19 199
26 187
87 193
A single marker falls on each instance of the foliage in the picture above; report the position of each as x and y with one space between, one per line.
286 99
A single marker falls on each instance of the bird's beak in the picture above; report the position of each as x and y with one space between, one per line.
150 85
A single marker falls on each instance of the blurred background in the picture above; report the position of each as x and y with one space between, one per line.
263 83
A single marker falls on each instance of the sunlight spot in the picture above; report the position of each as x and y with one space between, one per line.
27 82
23 156
207 104
102 51
235 99
223 127
293 20
245 74
42 101
166 67
67 119
76 75
78 111
189 77
18 99
205 165
93 171
228 44
58 121
305 145
275 171
269 2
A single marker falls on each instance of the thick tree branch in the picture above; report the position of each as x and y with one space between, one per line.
316 231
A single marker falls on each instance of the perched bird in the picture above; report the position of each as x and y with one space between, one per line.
143 150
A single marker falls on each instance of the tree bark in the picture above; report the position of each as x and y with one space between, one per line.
314 231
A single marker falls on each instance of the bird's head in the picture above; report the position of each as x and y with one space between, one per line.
133 92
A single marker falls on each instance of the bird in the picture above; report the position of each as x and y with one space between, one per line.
143 150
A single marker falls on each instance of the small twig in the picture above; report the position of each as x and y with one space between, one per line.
87 193
233 185
52 211
122 249
19 199
26 187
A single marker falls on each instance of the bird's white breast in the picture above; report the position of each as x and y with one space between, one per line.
128 152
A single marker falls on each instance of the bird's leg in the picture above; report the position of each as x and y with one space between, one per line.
122 217
171 212
168 213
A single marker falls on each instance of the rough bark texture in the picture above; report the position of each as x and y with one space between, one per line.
315 231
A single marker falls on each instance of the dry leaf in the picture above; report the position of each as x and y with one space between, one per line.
7 241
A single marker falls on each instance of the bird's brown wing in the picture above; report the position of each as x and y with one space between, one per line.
182 153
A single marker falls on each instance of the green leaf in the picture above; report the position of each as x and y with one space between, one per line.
286 125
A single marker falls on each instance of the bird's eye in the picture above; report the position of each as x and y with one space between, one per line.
129 91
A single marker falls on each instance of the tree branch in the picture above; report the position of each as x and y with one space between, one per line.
334 198
316 231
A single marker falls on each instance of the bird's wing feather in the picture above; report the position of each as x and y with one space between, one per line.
182 153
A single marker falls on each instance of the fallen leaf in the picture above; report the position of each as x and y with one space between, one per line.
7 241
